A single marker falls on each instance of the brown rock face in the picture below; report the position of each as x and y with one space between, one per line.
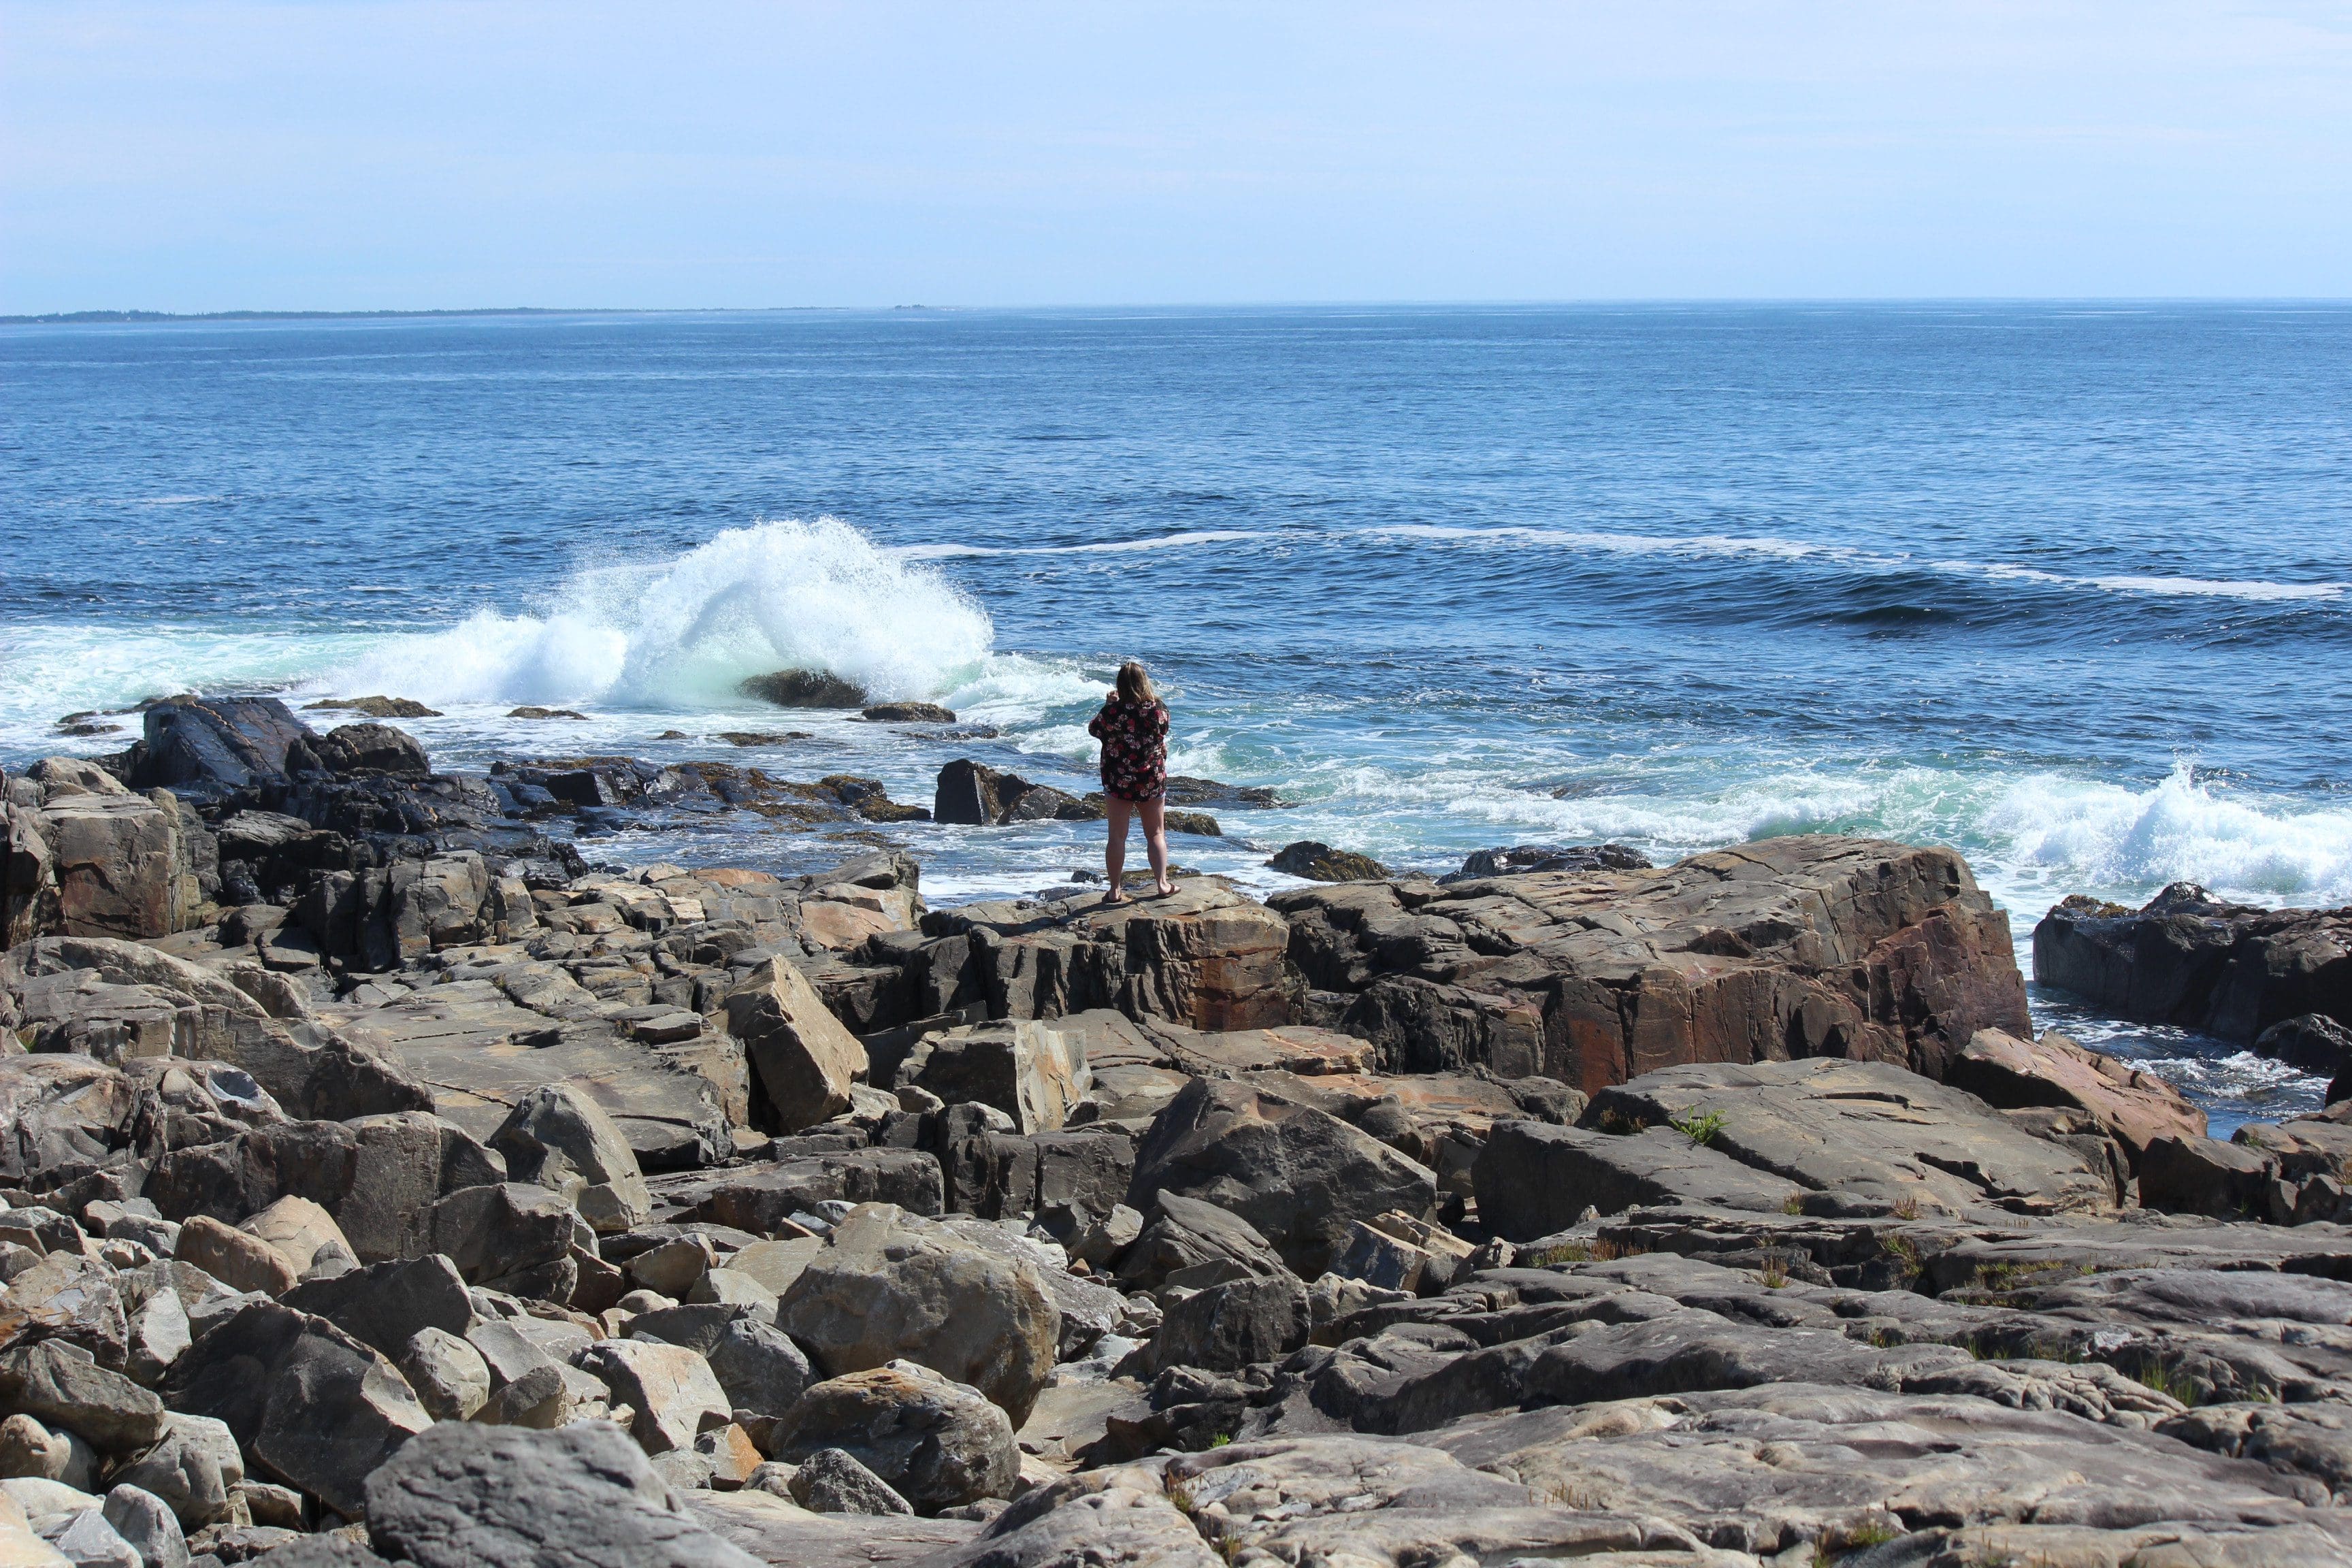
2134 1107
1207 957
1791 947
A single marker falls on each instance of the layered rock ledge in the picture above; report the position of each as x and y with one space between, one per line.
383 1184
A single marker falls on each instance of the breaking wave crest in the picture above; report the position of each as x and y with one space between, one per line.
683 633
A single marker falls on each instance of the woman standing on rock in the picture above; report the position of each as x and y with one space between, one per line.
1133 730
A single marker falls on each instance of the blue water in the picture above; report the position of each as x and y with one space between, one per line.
2068 587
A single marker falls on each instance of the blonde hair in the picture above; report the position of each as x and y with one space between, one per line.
1134 685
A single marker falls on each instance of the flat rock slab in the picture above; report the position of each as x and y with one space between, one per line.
480 1054
1762 1469
1533 1179
787 1535
1862 1130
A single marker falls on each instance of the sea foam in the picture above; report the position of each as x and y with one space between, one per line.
683 633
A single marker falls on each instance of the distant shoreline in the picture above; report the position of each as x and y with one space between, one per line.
65 318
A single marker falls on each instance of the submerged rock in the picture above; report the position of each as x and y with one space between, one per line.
1320 863
804 689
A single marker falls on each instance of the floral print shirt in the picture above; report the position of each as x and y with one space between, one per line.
1134 737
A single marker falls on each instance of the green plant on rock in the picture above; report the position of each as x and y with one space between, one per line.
2169 1381
1904 1253
1793 1203
1700 1127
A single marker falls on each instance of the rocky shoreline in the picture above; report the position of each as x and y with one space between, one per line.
387 1183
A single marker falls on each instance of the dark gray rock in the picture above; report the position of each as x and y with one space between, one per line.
387 1304
1189 1239
1533 1179
2190 958
2312 1041
2203 1176
316 1406
59 1385
1230 1326
1296 1173
832 1482
464 1495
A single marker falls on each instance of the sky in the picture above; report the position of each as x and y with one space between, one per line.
404 154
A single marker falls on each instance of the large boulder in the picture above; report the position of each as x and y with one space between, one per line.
2190 958
2133 1107
464 1495
890 1286
803 1060
317 1407
1860 1137
936 1442
1032 1072
62 1387
362 749
671 1389
558 1138
1800 946
1235 1324
1296 1174
221 743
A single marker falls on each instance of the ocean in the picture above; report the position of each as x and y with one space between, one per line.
2068 587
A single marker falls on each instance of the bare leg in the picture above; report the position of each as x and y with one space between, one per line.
1115 850
1155 841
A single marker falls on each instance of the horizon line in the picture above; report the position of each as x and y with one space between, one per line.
138 317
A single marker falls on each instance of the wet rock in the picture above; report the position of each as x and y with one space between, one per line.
318 1408
909 713
1296 1173
973 795
1525 858
802 1060
890 1286
1320 863
2190 958
558 1138
362 749
832 1482
2312 1041
374 707
1031 1071
804 689
2133 1107
463 1495
936 1442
